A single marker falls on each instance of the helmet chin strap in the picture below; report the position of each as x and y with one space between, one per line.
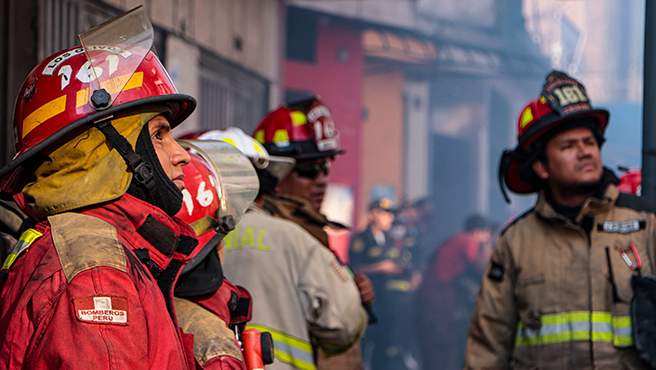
143 172
153 185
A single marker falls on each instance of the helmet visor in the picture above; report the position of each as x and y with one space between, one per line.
114 51
238 182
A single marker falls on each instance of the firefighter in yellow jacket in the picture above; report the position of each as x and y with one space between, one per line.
557 291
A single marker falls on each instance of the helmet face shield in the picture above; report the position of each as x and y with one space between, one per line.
114 51
277 166
237 184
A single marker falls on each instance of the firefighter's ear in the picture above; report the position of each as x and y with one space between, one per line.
540 169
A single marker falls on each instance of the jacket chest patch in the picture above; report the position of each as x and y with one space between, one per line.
621 227
110 310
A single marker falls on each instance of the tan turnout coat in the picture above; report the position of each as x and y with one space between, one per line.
546 299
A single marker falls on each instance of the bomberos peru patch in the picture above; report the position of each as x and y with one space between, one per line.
112 310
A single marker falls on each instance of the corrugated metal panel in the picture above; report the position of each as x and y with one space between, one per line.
230 95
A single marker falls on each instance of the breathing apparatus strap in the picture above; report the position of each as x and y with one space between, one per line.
143 172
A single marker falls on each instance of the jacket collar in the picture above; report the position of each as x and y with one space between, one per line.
294 208
601 202
142 226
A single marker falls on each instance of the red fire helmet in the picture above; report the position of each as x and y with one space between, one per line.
303 130
563 100
55 97
201 199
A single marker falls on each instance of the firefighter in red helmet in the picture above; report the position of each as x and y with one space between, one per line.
557 292
220 183
90 286
305 130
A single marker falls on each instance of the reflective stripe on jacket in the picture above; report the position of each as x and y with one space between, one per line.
546 299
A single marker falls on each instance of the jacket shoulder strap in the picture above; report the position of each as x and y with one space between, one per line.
84 242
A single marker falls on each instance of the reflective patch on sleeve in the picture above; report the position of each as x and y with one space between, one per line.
107 310
28 237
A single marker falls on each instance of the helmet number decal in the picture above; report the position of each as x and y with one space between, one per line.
188 201
324 130
329 128
65 72
318 130
112 60
569 95
86 75
204 197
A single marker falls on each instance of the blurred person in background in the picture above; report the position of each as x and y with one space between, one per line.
374 252
300 291
447 296
567 286
305 131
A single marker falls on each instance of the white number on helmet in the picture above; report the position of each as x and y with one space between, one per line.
86 75
65 72
204 197
188 201
329 128
112 59
318 132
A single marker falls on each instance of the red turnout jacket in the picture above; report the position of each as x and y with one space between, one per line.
93 290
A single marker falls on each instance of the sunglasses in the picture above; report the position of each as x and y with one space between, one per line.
311 171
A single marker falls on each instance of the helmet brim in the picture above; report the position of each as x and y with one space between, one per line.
280 167
181 105
310 156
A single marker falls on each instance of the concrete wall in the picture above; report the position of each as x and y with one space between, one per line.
397 13
245 32
182 61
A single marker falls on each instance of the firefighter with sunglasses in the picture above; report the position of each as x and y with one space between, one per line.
560 289
299 289
305 131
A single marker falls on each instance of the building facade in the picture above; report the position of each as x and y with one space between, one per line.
226 53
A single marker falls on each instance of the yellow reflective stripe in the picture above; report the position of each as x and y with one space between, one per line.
280 136
298 118
43 113
577 326
622 331
259 136
291 350
28 237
